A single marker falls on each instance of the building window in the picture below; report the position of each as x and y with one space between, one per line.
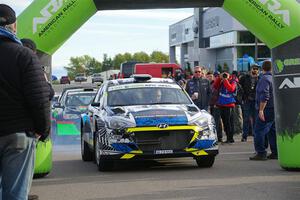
186 31
246 37
212 23
173 36
223 40
264 52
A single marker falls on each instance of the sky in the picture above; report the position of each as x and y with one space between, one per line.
114 32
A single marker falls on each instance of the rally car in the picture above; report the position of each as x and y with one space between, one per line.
65 121
146 118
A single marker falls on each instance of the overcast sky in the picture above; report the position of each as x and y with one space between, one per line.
115 32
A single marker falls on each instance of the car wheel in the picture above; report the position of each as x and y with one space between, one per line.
103 165
86 153
205 161
40 175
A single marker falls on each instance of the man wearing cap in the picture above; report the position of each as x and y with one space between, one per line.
25 109
248 83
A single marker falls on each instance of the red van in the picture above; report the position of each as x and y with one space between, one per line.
157 70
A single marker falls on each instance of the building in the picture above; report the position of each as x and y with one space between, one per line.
212 38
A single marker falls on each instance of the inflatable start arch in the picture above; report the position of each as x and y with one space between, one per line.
276 22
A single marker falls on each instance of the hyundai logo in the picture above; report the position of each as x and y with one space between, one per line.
162 125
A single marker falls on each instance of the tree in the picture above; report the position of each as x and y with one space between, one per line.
107 63
128 56
159 57
118 60
92 65
141 57
83 64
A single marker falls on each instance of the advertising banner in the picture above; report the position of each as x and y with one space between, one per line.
51 22
286 59
276 22
272 21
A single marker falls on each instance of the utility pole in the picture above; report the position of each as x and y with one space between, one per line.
256 49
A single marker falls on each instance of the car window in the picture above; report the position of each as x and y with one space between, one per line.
80 99
99 94
147 96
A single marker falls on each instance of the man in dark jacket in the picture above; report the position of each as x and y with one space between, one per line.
265 122
199 89
248 83
25 109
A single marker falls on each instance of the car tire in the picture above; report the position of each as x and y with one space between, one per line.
205 161
40 175
102 165
86 153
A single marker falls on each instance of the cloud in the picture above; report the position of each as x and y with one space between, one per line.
17 4
165 15
126 26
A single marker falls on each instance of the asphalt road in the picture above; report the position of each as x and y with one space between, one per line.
233 177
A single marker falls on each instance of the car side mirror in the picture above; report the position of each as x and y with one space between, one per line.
57 105
95 104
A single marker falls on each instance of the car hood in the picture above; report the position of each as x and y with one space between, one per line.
153 115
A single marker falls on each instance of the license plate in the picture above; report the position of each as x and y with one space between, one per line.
163 151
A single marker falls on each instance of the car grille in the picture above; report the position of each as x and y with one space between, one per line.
163 140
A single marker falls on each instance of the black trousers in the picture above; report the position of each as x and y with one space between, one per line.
215 112
226 116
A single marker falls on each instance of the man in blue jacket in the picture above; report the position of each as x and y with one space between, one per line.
265 121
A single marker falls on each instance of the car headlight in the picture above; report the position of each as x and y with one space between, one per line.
119 123
207 128
208 133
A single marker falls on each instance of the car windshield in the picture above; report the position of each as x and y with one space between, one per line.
79 99
147 96
80 75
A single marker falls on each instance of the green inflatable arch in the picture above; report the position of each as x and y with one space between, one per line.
276 22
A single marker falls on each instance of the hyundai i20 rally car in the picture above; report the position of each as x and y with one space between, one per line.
146 118
66 112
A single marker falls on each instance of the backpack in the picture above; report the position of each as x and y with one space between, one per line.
239 93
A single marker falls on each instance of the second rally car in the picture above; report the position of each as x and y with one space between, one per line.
146 118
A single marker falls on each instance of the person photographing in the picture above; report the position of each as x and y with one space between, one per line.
226 102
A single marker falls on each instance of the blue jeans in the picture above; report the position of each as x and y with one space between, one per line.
249 112
17 155
263 129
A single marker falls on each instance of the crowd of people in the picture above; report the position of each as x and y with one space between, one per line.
241 104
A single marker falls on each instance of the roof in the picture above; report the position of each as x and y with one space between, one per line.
132 80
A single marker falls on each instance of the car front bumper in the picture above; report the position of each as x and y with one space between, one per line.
152 143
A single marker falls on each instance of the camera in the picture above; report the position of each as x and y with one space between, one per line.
225 75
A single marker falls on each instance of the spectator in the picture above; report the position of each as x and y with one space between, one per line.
25 110
210 76
237 118
31 45
199 89
248 83
226 102
214 110
265 122
179 79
